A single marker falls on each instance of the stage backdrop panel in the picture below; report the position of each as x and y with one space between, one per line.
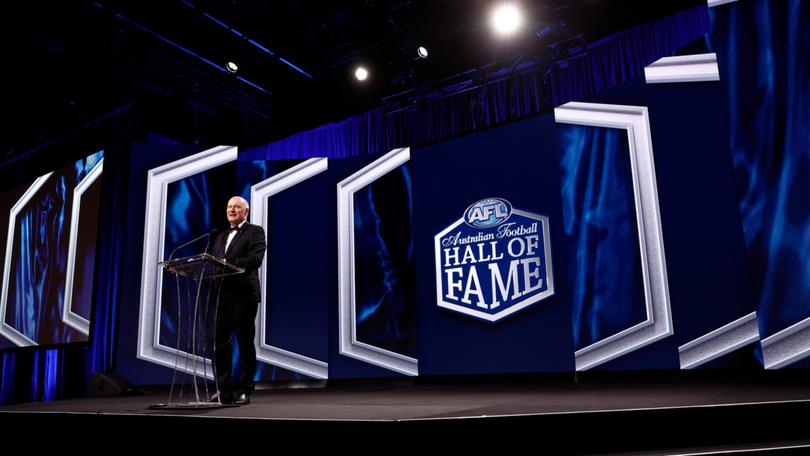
710 282
48 230
491 253
293 330
301 322
301 276
762 52
581 177
378 336
518 249
195 205
145 156
706 268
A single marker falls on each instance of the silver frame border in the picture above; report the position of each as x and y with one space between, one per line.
713 3
260 194
514 308
658 325
347 335
721 341
684 68
6 330
69 317
149 348
787 346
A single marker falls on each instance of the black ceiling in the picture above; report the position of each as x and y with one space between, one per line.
70 62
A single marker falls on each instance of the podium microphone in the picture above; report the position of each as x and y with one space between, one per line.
191 242
211 235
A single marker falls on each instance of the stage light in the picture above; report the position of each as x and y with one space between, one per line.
506 19
230 66
361 74
422 52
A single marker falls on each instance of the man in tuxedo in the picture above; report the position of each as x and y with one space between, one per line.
242 245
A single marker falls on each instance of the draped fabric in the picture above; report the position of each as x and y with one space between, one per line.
763 50
504 97
622 56
599 218
37 374
112 236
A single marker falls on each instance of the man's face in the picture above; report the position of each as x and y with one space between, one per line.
237 211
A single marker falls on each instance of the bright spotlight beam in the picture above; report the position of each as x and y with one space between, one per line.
361 74
506 19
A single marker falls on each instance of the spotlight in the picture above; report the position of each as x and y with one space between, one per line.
422 52
361 74
506 19
230 66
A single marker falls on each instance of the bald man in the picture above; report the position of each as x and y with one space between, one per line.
243 245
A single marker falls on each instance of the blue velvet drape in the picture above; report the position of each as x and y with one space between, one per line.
468 107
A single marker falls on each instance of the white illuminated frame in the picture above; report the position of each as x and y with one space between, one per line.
69 317
149 347
6 330
347 314
658 322
259 214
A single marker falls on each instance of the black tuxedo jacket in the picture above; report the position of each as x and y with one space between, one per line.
246 251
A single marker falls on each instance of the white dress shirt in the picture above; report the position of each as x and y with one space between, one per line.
232 234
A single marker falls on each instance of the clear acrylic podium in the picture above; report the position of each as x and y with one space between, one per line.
199 268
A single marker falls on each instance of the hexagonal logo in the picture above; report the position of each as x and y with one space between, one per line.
494 261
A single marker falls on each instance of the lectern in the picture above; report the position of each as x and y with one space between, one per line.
199 268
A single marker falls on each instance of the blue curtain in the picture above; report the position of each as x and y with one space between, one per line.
506 96
7 378
111 239
622 56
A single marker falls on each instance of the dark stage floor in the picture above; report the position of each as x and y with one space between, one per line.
452 400
592 416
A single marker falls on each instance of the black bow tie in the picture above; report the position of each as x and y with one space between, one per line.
234 228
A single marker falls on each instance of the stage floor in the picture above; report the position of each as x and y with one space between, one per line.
631 415
453 400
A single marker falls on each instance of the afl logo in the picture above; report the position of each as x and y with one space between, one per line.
487 213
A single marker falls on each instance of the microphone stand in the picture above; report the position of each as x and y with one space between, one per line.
211 237
193 241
